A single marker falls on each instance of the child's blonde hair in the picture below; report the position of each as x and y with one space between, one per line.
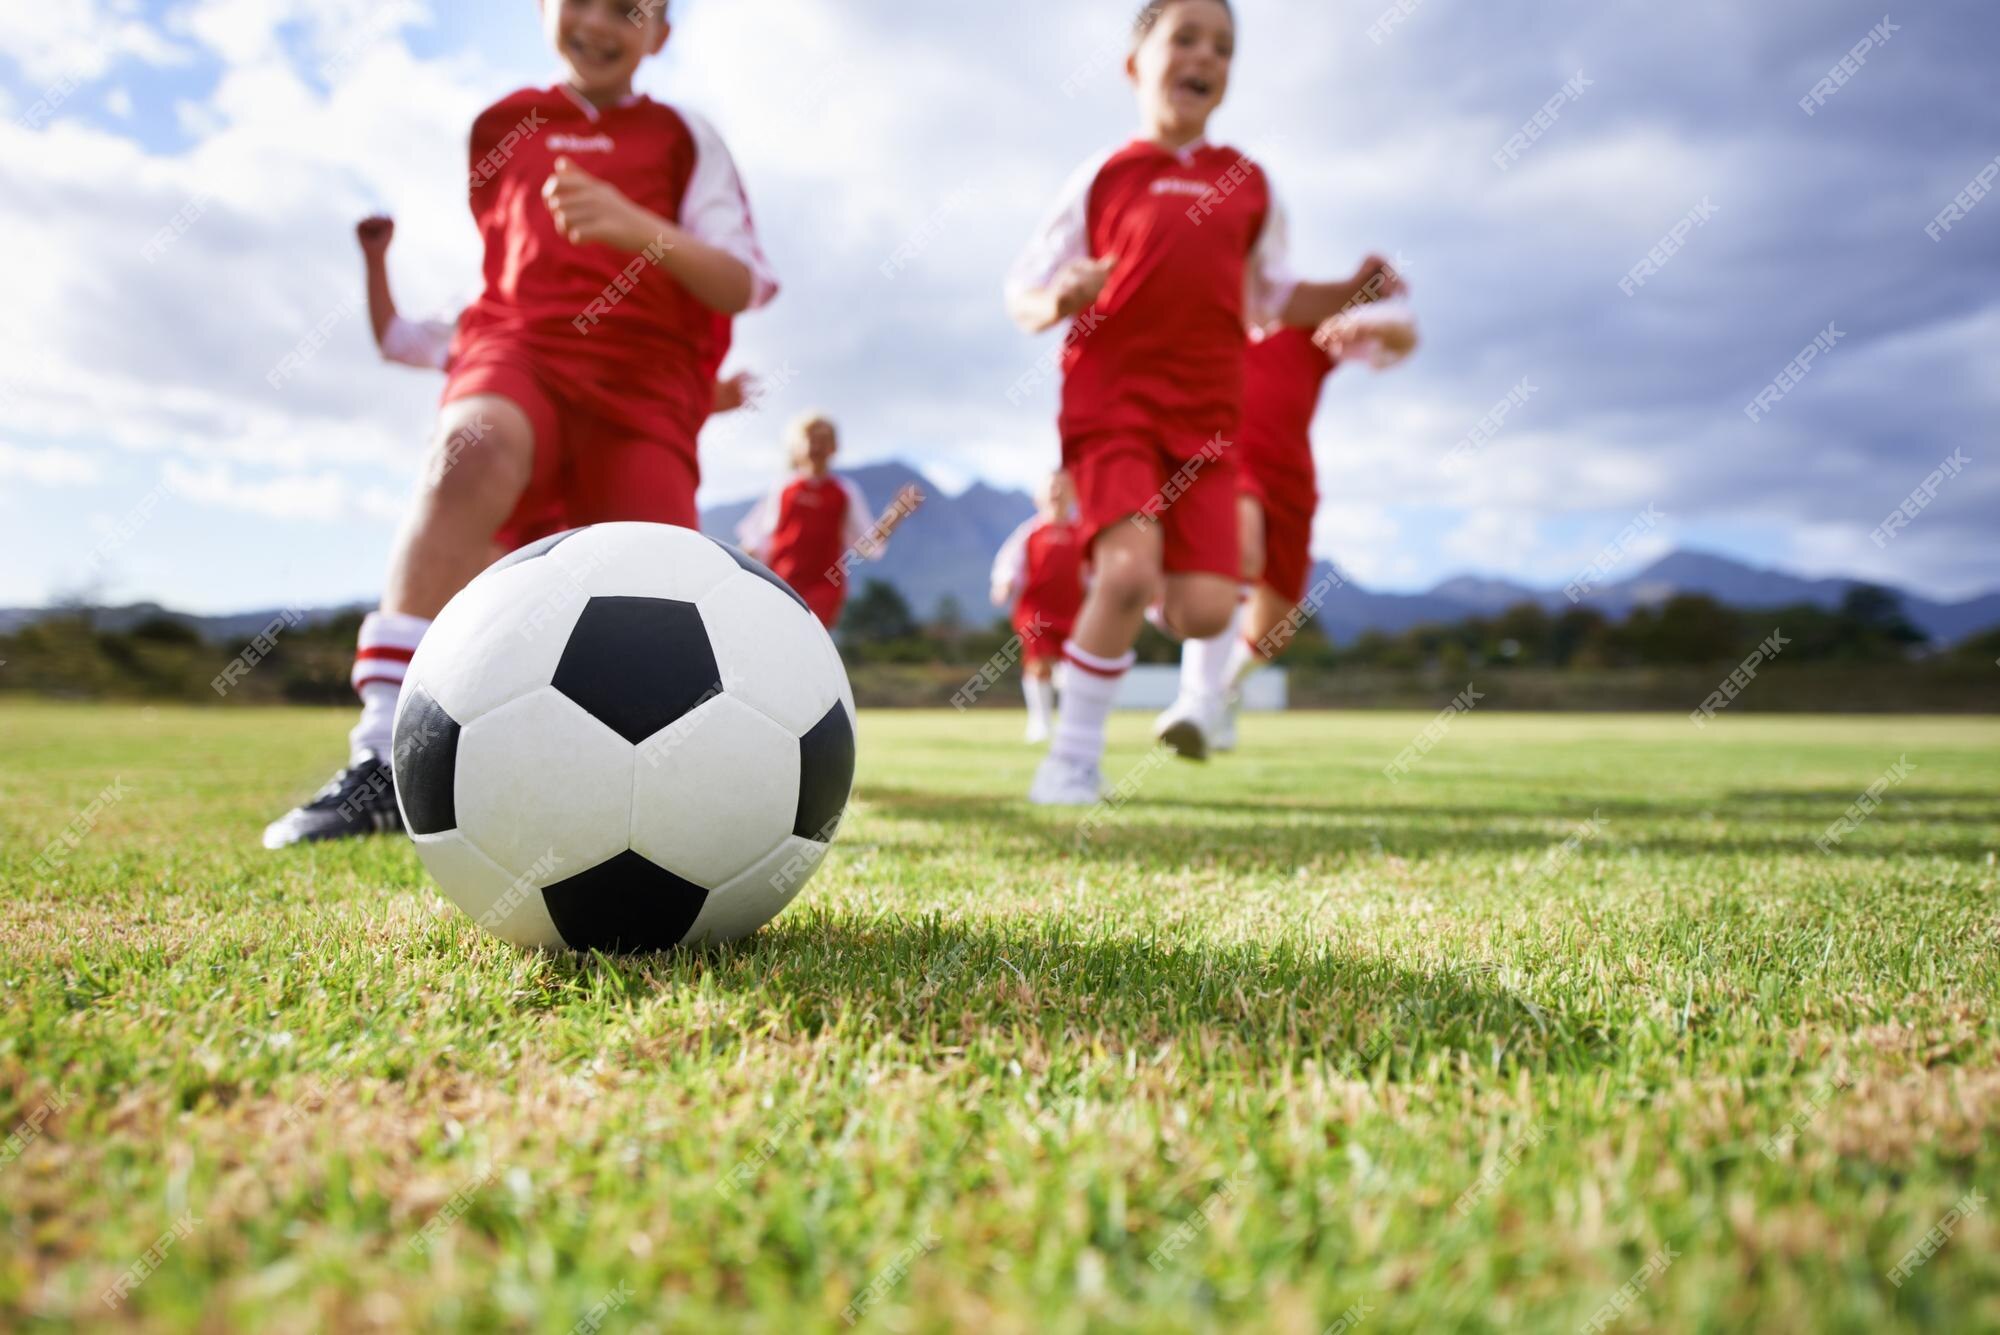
798 436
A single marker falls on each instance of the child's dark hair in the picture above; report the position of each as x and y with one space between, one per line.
1149 15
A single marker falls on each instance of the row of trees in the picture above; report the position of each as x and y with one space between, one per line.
1868 627
72 654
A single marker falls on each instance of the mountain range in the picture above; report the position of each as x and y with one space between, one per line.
946 552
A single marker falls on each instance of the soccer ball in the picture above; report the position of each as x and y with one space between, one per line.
624 737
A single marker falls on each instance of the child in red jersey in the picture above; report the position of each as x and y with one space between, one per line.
1039 575
1284 373
813 525
1162 253
426 345
618 242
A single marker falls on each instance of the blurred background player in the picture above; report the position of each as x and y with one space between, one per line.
1039 576
1284 372
618 243
1163 253
813 525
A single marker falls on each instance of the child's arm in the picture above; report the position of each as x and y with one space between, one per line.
375 234
1313 304
754 534
1010 566
712 251
1056 278
1076 285
872 541
733 393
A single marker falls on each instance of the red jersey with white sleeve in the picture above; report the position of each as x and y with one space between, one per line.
610 359
424 344
1040 571
551 294
804 529
1200 245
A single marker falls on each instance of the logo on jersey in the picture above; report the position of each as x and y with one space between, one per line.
1173 185
577 143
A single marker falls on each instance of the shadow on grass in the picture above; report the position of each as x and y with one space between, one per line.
940 985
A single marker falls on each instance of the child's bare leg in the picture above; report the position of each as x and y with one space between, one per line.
1125 581
1250 532
1268 611
1200 606
479 465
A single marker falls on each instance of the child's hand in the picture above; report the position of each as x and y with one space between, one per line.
1078 284
735 392
592 211
375 233
1377 280
908 501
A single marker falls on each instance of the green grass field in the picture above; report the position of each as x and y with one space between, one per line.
1283 1046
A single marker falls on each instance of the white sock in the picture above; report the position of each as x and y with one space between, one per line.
1040 694
1204 663
382 657
1089 684
1244 660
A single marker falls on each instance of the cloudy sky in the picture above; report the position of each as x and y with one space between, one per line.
182 177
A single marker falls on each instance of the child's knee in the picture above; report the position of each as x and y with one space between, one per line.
474 460
1200 611
1129 583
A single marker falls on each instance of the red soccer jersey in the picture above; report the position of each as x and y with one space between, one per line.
609 318
1283 374
1041 567
805 528
1200 243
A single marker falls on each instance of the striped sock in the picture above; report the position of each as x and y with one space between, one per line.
388 641
1088 685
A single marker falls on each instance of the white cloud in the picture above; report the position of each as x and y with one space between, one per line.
324 497
49 466
80 39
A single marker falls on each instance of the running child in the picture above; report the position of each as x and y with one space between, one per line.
1039 576
813 525
426 345
1279 494
1161 253
618 243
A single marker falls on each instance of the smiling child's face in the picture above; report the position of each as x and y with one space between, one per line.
1181 66
600 45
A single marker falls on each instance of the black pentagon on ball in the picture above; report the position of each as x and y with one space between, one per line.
826 775
760 570
539 547
426 763
638 664
626 904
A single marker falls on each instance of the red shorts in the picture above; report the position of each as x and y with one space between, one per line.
1041 635
1289 505
595 460
825 599
1133 477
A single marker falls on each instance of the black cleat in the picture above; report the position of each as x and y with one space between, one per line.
360 800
